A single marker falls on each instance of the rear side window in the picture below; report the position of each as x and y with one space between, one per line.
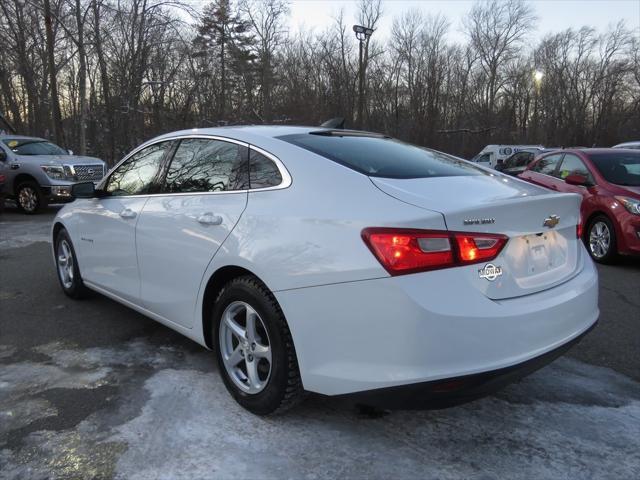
202 165
547 165
263 172
382 157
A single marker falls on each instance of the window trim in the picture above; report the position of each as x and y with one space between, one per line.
286 177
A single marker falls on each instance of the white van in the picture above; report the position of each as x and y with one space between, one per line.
492 155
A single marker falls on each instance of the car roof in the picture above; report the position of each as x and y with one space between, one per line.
627 144
244 132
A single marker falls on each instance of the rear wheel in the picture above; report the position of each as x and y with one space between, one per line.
29 198
255 351
601 240
67 267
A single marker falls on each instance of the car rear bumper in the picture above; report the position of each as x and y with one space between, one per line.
458 390
412 329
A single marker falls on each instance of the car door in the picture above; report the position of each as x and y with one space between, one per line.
107 225
202 197
544 171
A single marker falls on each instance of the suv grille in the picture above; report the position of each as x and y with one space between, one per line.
86 173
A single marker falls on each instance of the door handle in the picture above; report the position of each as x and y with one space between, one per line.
128 213
209 219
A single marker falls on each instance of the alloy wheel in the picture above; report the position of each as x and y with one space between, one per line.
245 347
65 264
28 198
599 239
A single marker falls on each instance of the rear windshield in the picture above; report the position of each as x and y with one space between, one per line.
621 168
382 157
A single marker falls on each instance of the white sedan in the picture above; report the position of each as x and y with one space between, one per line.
334 261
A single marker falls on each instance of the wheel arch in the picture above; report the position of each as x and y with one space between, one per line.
21 178
216 282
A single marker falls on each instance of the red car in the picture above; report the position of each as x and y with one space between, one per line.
609 181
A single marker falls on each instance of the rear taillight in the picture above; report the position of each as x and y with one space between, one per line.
402 251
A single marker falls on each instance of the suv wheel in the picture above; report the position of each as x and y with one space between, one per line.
67 267
601 240
255 351
30 198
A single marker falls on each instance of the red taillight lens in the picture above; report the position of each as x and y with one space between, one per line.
402 251
478 247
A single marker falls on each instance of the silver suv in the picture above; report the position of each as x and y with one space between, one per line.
38 172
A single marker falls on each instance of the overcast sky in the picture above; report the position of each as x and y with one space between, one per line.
553 15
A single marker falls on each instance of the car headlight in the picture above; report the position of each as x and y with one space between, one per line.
55 172
631 204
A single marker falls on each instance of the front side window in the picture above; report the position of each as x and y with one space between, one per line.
378 156
263 172
203 165
137 175
547 165
33 147
572 165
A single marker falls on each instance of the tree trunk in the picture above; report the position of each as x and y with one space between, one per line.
58 130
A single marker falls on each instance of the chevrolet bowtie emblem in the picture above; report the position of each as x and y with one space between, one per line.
551 221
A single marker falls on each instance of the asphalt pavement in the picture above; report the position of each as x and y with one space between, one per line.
91 389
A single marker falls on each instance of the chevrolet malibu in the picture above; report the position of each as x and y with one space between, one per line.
339 262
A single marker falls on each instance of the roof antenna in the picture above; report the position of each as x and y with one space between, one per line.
337 123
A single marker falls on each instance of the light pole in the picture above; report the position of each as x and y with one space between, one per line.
362 34
537 81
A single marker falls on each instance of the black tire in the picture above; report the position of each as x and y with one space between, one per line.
29 198
595 249
283 388
75 288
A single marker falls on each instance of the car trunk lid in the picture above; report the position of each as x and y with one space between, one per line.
543 250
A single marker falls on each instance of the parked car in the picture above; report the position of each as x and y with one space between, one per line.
517 162
609 182
334 261
39 172
493 155
631 145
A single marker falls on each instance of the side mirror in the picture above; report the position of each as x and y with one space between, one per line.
83 190
577 179
70 152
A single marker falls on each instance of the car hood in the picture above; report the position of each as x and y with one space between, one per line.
60 159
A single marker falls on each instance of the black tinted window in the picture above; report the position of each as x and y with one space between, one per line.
522 159
383 157
136 176
620 168
263 172
547 165
201 165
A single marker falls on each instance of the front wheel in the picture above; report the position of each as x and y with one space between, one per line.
29 198
601 240
255 351
67 267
